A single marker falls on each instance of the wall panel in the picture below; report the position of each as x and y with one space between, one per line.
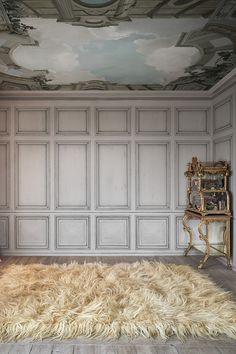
152 121
152 176
32 121
32 232
4 121
32 175
223 115
192 121
152 232
222 150
4 231
113 121
72 232
72 120
113 175
4 174
72 175
113 232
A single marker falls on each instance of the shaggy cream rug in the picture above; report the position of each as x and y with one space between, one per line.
147 299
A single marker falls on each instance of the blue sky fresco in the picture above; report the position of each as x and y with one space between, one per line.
125 64
139 52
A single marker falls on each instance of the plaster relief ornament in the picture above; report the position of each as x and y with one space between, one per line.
116 44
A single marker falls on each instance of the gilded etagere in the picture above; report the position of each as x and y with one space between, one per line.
208 200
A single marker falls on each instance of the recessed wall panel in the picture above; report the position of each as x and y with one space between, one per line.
4 121
223 115
192 121
72 121
4 175
152 232
223 149
72 178
72 232
32 231
184 153
34 121
32 178
152 121
113 232
152 179
4 231
113 121
113 173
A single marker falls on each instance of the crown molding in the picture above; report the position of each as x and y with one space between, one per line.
227 82
101 95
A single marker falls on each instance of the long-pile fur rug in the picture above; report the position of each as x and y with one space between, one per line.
147 299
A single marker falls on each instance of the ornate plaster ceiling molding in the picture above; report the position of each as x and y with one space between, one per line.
209 40
83 13
8 82
223 20
12 40
108 12
204 42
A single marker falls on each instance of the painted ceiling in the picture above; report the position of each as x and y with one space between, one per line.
116 44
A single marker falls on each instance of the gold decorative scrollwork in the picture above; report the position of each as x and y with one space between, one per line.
204 237
187 228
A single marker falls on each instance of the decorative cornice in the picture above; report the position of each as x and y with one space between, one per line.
228 81
100 95
224 84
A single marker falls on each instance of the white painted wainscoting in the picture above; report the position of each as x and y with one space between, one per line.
102 176
224 145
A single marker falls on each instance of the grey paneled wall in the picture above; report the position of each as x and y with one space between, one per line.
100 177
224 144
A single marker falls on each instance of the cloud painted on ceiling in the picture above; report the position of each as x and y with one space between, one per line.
137 52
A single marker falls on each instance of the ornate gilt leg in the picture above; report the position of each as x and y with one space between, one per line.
187 228
227 243
205 239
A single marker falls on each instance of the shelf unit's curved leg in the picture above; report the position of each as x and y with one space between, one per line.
227 243
205 239
187 228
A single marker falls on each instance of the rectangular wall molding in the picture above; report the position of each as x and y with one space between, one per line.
4 174
32 175
72 120
32 232
223 115
113 175
152 232
4 232
153 121
152 175
32 121
223 149
4 121
72 175
98 176
113 120
72 232
192 121
112 232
